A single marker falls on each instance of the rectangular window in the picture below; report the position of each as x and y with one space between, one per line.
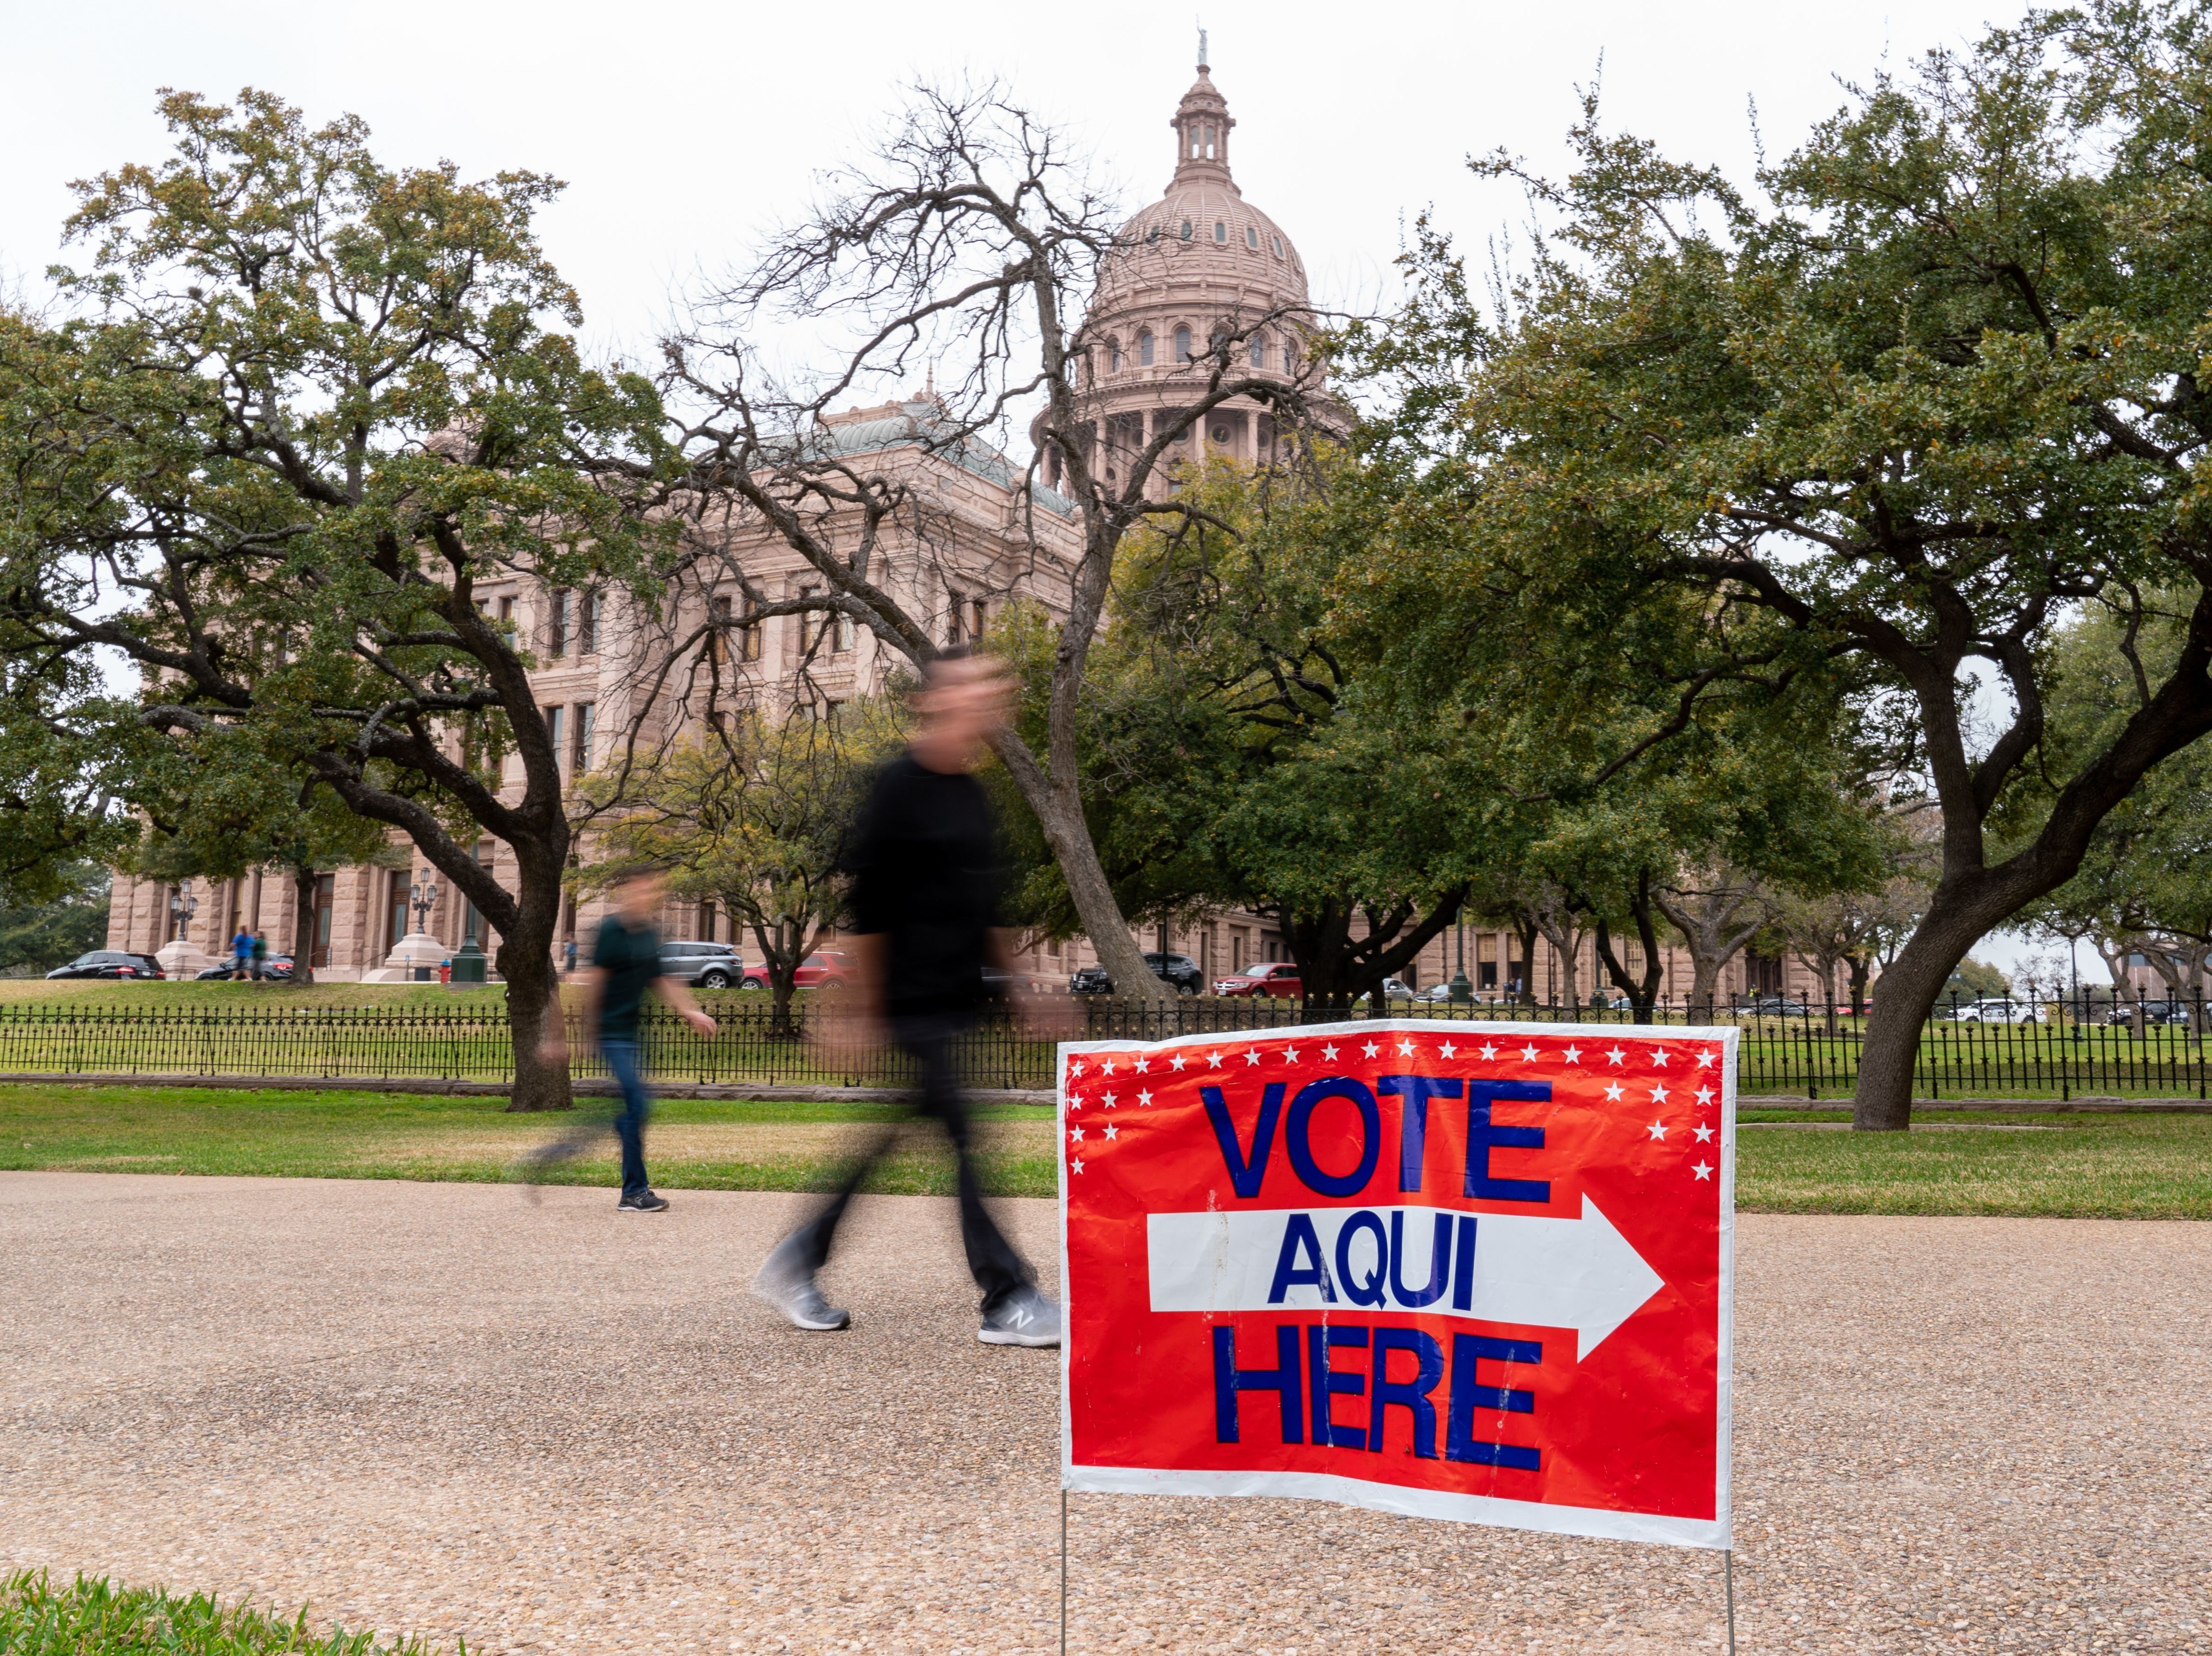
718 642
325 905
580 738
956 615
555 725
587 632
395 919
506 611
749 641
557 622
978 614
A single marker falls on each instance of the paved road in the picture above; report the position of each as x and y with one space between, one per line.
433 1409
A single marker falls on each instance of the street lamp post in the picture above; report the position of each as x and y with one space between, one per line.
1462 992
182 906
422 897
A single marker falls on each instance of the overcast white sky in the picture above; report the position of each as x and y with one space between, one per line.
683 128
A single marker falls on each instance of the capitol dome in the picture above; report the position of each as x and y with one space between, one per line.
1198 264
1202 233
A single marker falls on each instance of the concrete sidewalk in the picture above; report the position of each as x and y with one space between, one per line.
436 1409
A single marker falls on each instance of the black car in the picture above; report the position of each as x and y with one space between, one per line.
1180 970
110 963
274 968
702 965
2155 1011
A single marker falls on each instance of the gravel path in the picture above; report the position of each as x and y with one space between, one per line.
433 1409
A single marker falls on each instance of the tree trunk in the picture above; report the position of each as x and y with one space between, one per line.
1088 887
525 959
1909 988
1858 964
303 925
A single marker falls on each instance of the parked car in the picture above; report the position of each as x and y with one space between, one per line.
1397 989
830 970
1274 977
1775 1006
701 965
2155 1011
2000 1011
1180 970
110 963
276 968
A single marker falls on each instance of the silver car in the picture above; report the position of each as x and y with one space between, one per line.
702 965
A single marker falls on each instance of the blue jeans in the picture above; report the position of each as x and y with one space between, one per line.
628 1122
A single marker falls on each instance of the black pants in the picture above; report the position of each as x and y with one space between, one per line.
998 1268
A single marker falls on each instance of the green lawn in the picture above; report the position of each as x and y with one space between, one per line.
94 1618
2143 1167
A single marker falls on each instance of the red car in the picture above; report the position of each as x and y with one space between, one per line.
1277 978
830 970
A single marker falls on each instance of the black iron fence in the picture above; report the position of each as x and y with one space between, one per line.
2058 1049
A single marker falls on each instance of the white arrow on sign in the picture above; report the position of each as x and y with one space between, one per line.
1581 1273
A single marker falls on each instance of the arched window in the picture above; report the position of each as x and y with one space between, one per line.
1252 237
1186 229
1279 246
1182 345
1144 349
1220 230
1258 352
1153 234
1209 141
1113 356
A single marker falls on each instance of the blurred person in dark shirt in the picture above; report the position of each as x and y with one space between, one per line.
625 964
927 891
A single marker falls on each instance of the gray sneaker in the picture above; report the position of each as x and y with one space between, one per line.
1026 1317
793 1293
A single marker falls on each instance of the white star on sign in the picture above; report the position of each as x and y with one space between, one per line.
1143 1066
1073 1102
1328 1053
1446 1050
1703 1170
1214 1060
1290 1055
1704 1095
1110 1101
1175 1063
1659 1056
1076 1166
1110 1130
1406 1048
1075 1135
1370 1049
1076 1068
1616 1055
1658 1130
1251 1055
1489 1051
1143 1098
1573 1055
1528 1053
1706 1059
1613 1092
1703 1133
1658 1094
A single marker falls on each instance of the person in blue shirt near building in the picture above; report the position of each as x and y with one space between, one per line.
625 964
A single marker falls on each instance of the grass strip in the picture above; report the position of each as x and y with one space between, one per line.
95 1617
2128 1167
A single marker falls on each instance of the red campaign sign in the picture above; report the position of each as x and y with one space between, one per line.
1480 1271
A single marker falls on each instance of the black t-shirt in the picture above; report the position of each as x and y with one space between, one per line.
924 858
631 960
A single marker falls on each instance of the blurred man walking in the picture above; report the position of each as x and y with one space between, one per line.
925 902
625 963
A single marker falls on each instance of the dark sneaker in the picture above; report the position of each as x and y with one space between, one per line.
793 1293
644 1202
1024 1318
